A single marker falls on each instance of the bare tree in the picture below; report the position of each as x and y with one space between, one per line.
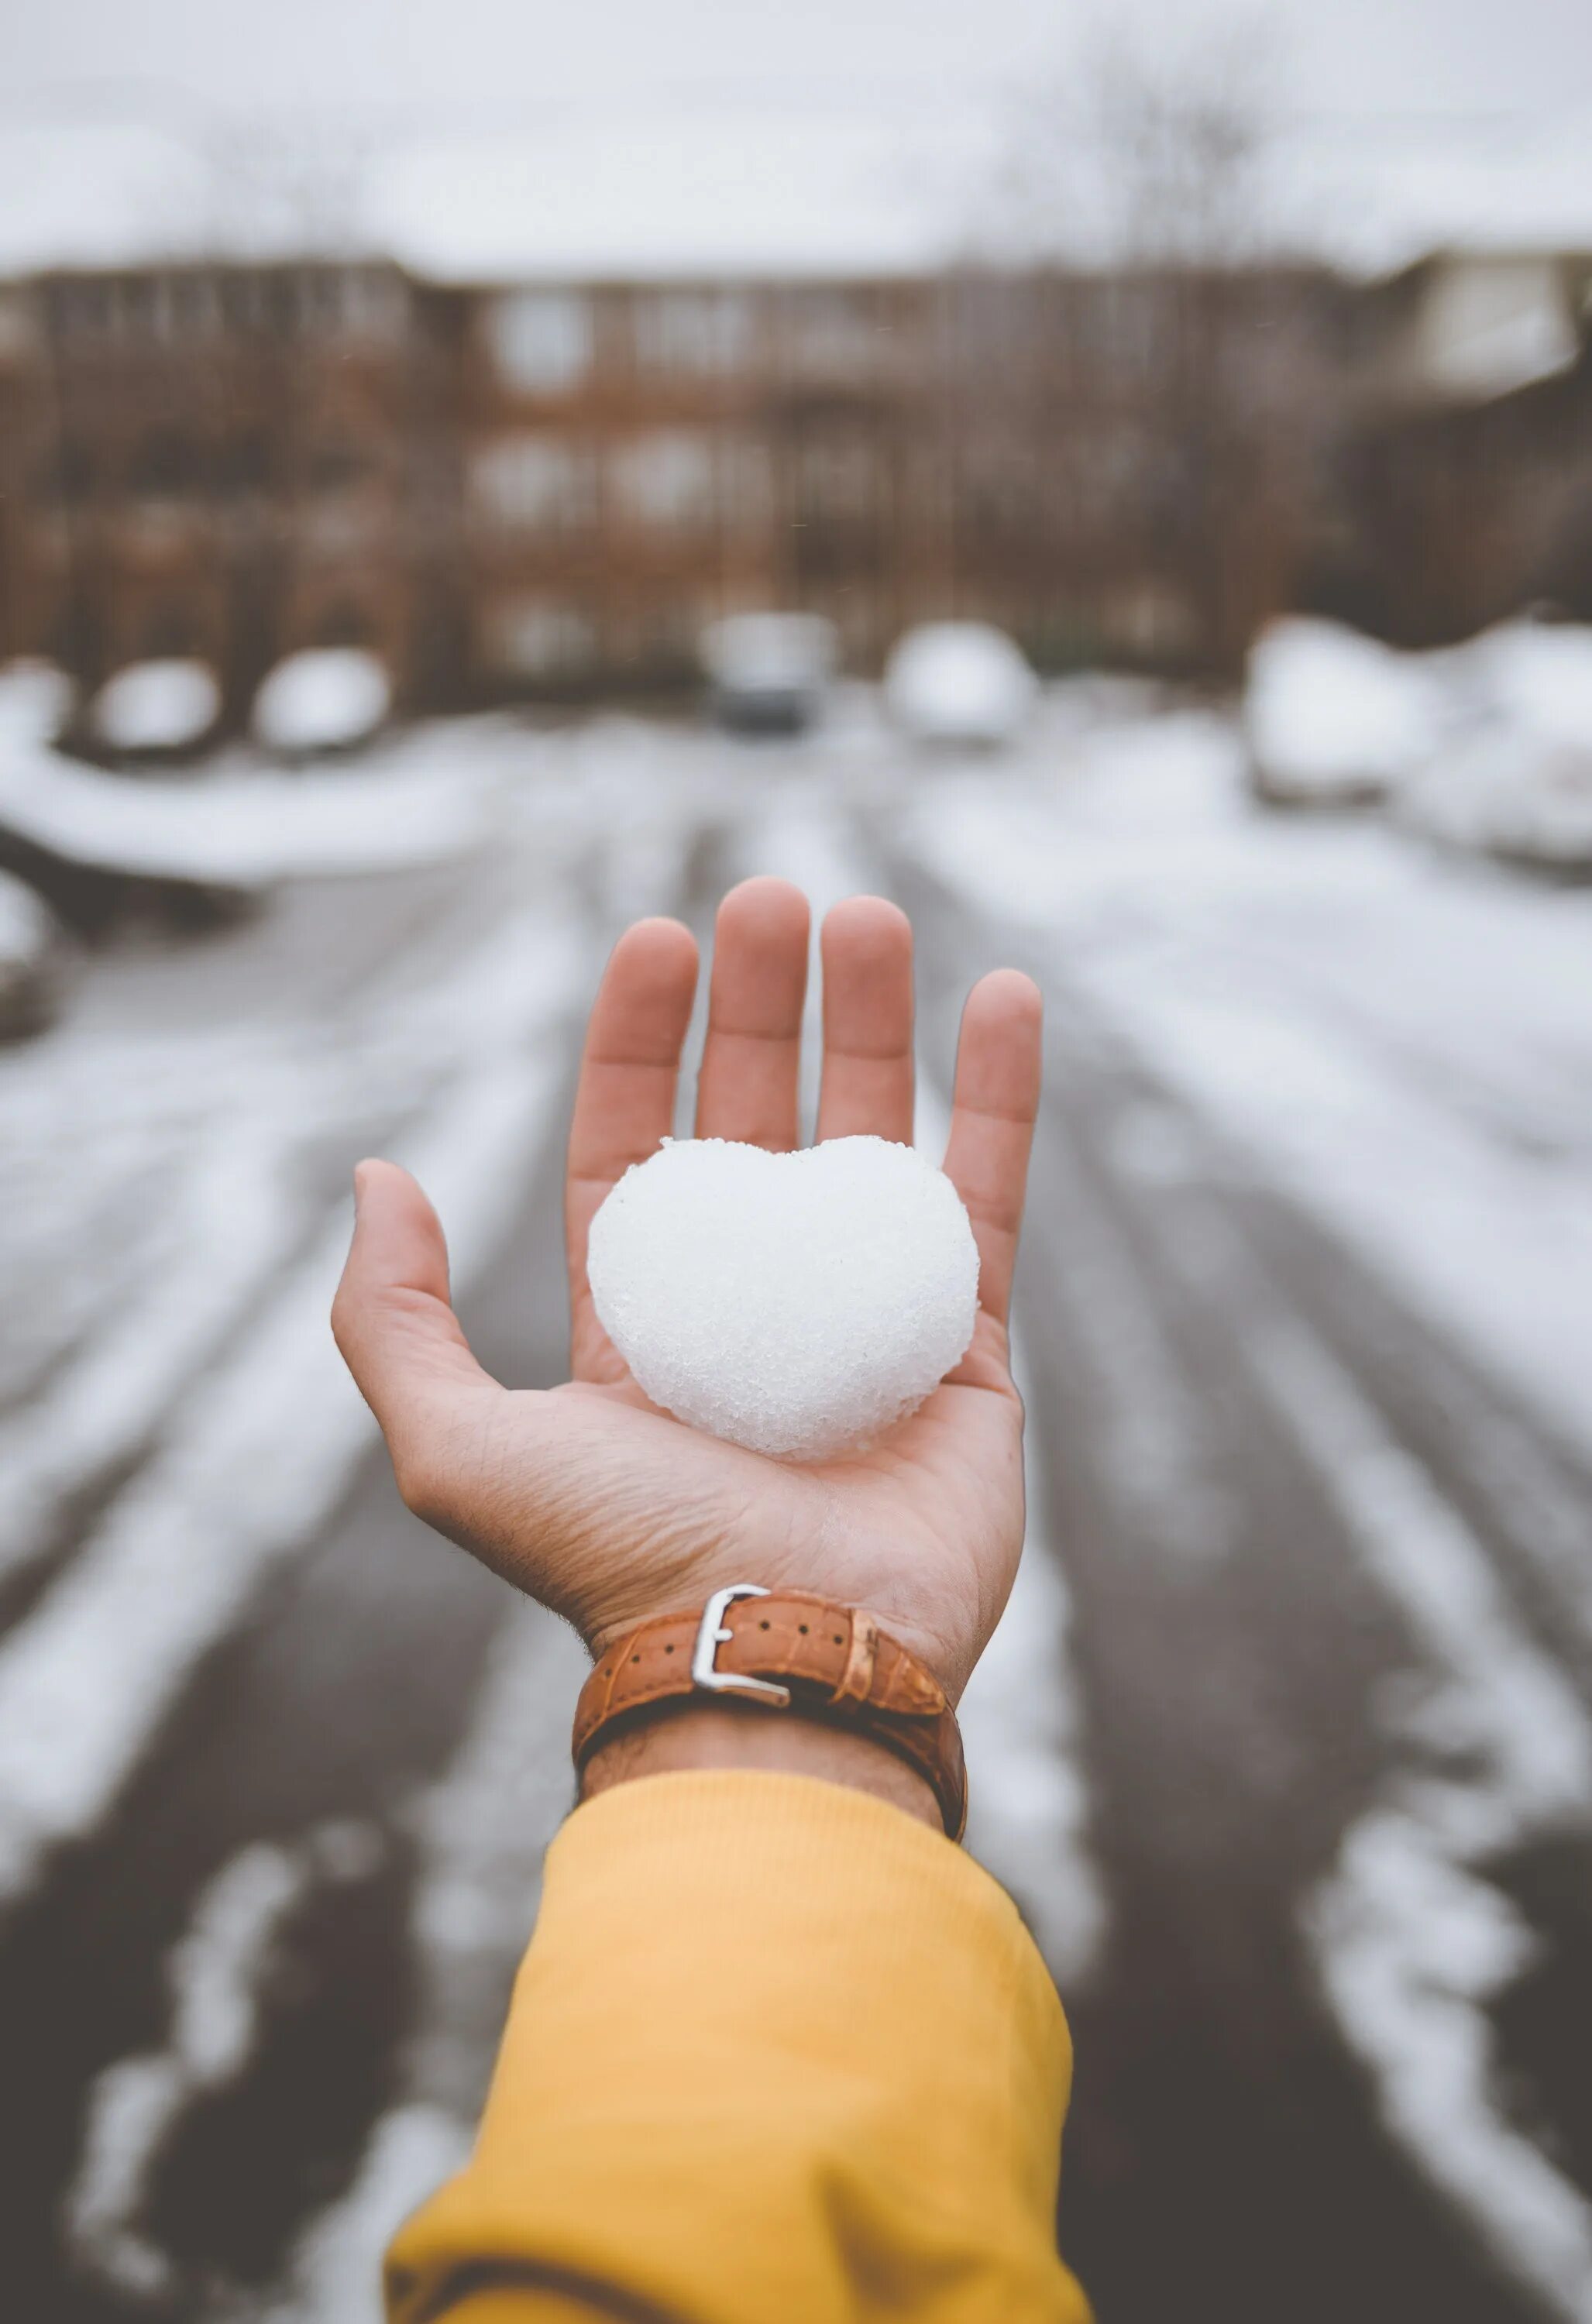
1147 153
277 185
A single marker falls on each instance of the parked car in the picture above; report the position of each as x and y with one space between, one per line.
33 949
1332 718
1516 780
325 699
155 709
768 673
960 683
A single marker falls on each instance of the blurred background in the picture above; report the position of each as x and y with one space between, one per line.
1122 486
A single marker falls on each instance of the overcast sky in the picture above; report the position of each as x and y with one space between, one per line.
445 57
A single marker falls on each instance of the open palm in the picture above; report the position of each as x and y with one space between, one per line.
587 1495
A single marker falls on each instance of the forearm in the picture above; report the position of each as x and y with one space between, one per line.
773 2044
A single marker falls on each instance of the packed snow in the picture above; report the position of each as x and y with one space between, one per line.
156 705
327 698
797 1303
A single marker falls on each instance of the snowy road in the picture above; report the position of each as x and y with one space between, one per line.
1285 1747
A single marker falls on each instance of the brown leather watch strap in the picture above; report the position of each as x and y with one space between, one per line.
787 1651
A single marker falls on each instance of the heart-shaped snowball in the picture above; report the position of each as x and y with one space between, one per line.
799 1303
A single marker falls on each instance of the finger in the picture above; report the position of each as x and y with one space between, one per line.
394 1323
752 1057
867 1085
996 1099
625 1100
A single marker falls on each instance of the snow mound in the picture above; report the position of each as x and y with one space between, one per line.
1333 718
245 830
35 700
797 1303
157 706
959 682
327 698
27 925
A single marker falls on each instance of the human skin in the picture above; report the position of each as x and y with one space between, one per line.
609 1510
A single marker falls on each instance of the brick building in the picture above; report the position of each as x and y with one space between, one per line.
515 489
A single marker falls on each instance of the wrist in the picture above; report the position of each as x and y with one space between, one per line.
693 1735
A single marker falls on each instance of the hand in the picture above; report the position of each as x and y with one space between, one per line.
589 1496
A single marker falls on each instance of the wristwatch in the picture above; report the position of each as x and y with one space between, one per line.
785 1651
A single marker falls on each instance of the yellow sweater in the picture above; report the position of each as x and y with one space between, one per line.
777 2054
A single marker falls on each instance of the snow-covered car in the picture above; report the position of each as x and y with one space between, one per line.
960 683
31 950
1332 718
35 702
1516 779
325 699
768 673
156 709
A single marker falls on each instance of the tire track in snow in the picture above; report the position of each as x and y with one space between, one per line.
86 1678
483 1831
216 1975
1412 1939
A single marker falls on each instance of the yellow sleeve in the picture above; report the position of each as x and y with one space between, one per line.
777 2052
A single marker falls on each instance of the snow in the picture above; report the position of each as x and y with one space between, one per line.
243 826
959 682
327 698
36 699
1516 780
1400 1042
797 1303
1332 717
156 705
175 1564
27 925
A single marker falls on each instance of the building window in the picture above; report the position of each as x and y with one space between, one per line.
838 480
337 463
666 479
833 335
746 485
542 339
693 333
539 638
164 466
537 482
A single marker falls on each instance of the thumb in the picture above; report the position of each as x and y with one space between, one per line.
393 1320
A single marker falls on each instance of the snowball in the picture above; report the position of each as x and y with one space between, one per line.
798 1304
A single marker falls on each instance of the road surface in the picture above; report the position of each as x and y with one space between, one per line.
1285 1748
